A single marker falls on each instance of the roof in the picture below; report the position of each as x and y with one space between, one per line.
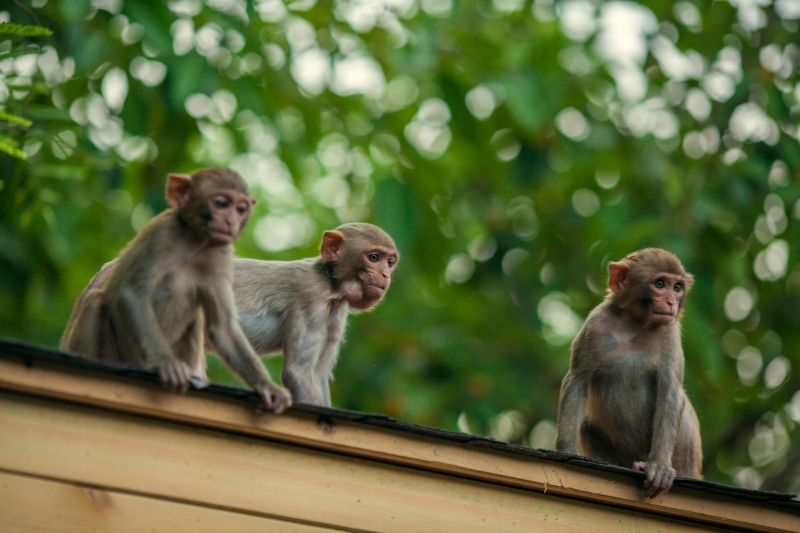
123 389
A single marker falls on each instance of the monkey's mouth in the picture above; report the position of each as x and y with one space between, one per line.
373 291
663 316
223 237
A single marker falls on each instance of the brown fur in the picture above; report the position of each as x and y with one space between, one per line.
301 307
622 399
171 286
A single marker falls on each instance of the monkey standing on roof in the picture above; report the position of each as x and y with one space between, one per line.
622 399
301 307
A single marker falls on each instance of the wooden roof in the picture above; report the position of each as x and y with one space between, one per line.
106 447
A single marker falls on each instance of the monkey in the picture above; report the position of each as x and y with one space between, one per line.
301 307
622 400
171 289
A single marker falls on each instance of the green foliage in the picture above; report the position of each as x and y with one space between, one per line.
9 28
8 144
511 149
14 119
11 147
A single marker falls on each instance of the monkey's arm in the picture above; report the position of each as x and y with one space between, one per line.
324 371
330 351
222 328
666 419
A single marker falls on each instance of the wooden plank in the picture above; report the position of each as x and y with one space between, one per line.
31 505
139 455
391 446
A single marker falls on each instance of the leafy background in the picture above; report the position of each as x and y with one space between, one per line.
512 148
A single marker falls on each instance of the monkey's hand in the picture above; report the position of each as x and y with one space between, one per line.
659 477
274 398
175 374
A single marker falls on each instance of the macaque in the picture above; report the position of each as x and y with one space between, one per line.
622 399
171 289
301 307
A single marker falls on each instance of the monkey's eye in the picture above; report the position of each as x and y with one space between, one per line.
373 257
221 202
391 261
241 209
659 284
678 287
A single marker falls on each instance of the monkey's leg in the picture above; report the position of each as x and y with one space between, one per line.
190 349
571 407
84 337
97 283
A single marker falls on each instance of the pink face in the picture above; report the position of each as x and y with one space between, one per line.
229 210
666 295
378 266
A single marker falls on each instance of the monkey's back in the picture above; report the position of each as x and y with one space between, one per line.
265 291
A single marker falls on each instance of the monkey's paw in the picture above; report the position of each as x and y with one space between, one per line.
659 477
175 374
274 398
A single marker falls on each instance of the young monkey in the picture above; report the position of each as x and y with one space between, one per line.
622 399
300 307
172 285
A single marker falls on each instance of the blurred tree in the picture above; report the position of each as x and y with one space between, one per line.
512 148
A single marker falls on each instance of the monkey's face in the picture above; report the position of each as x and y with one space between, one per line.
665 298
227 214
375 274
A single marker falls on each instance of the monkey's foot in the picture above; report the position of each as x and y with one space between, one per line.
175 374
659 477
274 398
198 383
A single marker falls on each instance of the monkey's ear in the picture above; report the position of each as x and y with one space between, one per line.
617 274
331 248
177 188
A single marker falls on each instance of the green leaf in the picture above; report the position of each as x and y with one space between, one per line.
10 146
10 28
61 172
50 114
8 117
19 51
